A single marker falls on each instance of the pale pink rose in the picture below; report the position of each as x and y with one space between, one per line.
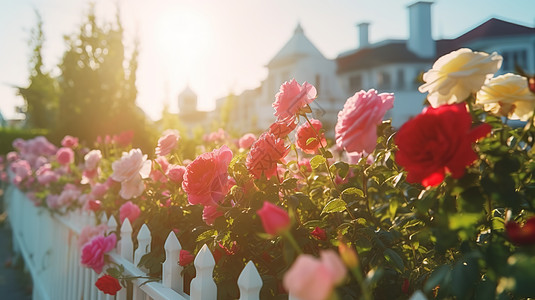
21 171
129 170
93 252
129 210
314 279
46 177
356 129
69 141
52 201
210 213
175 173
12 156
69 194
92 159
247 140
65 156
89 232
39 162
19 144
132 188
99 189
458 74
167 142
291 98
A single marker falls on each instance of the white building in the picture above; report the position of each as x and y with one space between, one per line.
299 59
392 66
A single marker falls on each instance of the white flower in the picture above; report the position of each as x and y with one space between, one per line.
508 96
456 75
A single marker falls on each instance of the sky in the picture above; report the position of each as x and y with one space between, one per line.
218 47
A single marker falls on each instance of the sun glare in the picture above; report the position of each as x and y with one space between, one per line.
184 37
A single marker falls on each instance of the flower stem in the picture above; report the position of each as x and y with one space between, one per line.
286 234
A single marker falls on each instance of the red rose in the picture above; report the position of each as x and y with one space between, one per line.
108 285
185 258
274 219
306 132
319 233
521 235
437 141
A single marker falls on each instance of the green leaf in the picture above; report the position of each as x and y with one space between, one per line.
464 220
394 258
353 191
113 272
342 167
335 205
311 140
206 235
394 204
316 161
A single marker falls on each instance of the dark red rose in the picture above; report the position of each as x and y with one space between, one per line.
185 258
108 285
521 235
437 141
319 233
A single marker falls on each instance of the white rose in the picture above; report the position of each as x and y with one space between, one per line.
508 96
456 75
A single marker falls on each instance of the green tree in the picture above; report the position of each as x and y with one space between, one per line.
41 95
98 85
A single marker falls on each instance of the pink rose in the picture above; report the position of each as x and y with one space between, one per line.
69 194
291 98
123 139
52 201
282 129
129 171
89 232
167 142
247 140
93 252
205 180
274 219
264 155
175 173
313 279
69 141
356 129
306 132
210 214
129 210
159 168
65 156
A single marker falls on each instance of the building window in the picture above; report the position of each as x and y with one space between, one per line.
512 58
384 82
401 80
355 83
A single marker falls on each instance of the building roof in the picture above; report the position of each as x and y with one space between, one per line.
298 46
377 55
492 28
187 93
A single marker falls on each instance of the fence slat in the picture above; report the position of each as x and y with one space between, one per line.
171 270
143 242
127 247
250 283
203 286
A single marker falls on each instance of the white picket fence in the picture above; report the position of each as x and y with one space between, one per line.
49 246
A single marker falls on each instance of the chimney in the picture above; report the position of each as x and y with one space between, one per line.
420 40
363 34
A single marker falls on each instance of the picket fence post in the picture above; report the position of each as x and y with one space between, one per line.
250 283
143 247
126 249
172 270
203 286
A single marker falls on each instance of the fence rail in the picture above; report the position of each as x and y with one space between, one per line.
49 246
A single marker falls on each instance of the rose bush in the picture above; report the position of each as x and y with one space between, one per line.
444 206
